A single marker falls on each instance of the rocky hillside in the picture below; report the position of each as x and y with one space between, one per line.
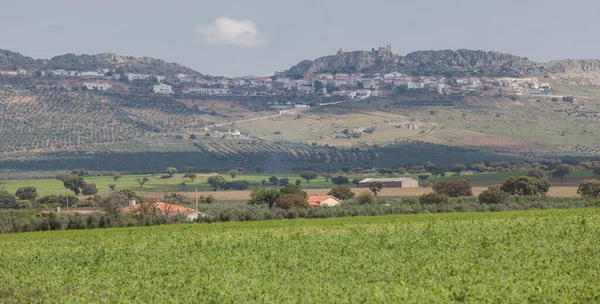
84 62
454 62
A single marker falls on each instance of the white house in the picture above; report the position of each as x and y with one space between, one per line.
134 77
163 89
100 86
363 94
160 78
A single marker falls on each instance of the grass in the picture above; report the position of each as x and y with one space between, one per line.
526 256
157 185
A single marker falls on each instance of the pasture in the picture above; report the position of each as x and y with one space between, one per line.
157 186
525 256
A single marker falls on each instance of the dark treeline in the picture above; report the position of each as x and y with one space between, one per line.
29 220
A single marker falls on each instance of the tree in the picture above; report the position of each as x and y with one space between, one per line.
562 171
453 188
526 186
298 182
366 198
115 175
112 187
356 182
172 199
7 200
318 86
536 173
423 177
433 199
171 171
273 180
113 203
284 181
216 181
266 196
457 168
26 193
589 188
375 187
341 192
232 173
89 189
189 169
74 183
142 181
340 180
191 176
259 170
596 171
308 175
131 195
291 201
493 195
80 172
293 189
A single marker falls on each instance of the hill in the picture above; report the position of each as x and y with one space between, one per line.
444 62
86 62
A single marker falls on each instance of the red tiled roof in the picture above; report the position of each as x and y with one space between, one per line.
315 200
172 208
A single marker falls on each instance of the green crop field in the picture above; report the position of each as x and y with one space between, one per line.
526 256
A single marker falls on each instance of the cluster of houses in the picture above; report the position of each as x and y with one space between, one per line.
346 85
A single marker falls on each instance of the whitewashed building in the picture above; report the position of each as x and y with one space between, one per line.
100 86
163 89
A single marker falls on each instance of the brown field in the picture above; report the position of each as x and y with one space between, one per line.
241 196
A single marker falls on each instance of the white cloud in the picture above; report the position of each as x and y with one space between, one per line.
225 30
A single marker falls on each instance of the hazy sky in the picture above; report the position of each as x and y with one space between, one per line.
257 37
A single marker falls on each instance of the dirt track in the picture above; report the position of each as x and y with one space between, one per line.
241 196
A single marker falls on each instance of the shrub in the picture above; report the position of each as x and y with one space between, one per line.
341 192
433 199
493 195
453 188
589 188
7 200
291 201
366 198
26 193
525 185
536 173
89 189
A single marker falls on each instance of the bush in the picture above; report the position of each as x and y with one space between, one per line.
453 188
89 189
291 201
536 173
493 195
433 199
26 193
589 188
341 192
7 200
526 186
366 198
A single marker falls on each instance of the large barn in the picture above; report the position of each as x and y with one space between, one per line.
402 182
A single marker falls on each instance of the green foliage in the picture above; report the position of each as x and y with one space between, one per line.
341 192
89 189
526 186
366 198
309 175
115 175
293 189
536 173
562 171
589 188
7 200
376 187
216 181
175 198
236 185
113 203
26 193
171 171
453 188
80 172
433 199
267 196
142 181
191 176
340 180
493 195
291 201
74 183
273 180
233 173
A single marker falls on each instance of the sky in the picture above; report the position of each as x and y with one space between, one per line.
258 37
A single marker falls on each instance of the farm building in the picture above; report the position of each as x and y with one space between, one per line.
403 182
169 210
322 201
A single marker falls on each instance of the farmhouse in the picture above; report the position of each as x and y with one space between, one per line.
101 86
322 201
403 182
163 89
169 210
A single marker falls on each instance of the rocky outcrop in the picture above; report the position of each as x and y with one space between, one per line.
95 62
444 62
